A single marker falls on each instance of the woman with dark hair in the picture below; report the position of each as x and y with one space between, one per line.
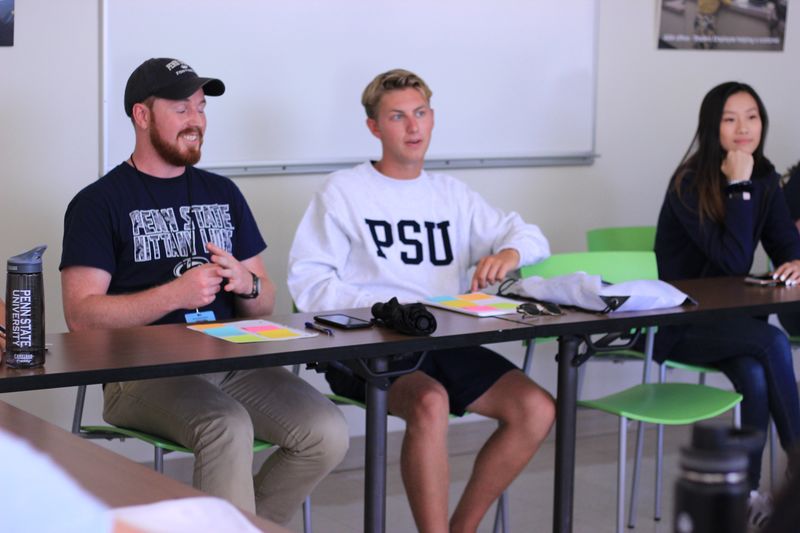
723 199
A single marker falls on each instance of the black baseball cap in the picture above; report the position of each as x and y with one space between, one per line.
168 78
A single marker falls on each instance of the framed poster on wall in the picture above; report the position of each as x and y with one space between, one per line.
7 22
722 24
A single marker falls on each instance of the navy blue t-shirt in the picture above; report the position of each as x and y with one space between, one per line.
146 231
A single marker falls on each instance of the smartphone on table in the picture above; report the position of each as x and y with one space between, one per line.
764 280
341 321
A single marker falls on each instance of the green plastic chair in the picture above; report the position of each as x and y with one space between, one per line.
625 239
657 403
161 445
643 238
614 267
622 238
629 265
662 404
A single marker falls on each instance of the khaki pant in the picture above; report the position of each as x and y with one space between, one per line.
217 416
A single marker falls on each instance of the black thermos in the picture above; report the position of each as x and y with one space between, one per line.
711 493
25 310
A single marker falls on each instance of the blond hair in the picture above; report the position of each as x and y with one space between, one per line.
391 80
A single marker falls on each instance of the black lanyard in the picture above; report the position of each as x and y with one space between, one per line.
187 259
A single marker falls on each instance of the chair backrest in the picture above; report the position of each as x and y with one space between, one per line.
613 267
623 238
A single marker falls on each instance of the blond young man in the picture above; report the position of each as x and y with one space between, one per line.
388 228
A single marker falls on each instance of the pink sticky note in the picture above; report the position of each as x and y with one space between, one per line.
480 308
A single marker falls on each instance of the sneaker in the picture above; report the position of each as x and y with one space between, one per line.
759 509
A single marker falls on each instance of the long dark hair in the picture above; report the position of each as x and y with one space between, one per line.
705 154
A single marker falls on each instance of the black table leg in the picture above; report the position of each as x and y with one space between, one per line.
375 453
566 401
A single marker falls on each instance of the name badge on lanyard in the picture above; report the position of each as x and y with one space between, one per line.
200 316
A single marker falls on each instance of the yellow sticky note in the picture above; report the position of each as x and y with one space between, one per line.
243 338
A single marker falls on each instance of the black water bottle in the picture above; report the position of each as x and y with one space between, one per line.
25 310
712 490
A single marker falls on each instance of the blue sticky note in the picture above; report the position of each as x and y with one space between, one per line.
224 331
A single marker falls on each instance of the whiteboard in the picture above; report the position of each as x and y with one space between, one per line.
513 80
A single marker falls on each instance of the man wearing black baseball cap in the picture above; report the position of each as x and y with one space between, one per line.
157 240
167 78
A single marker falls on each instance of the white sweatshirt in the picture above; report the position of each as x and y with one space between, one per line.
40 496
366 237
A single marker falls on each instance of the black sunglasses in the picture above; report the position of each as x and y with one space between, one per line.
529 309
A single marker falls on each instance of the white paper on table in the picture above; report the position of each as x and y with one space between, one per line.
186 515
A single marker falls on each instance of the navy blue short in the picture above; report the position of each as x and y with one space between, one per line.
466 373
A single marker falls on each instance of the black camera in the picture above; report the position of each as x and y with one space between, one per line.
411 319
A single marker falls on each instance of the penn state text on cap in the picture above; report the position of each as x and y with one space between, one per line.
168 78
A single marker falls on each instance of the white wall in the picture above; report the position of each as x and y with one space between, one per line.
647 106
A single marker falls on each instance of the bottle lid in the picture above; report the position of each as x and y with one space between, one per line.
717 436
718 448
29 262
713 461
